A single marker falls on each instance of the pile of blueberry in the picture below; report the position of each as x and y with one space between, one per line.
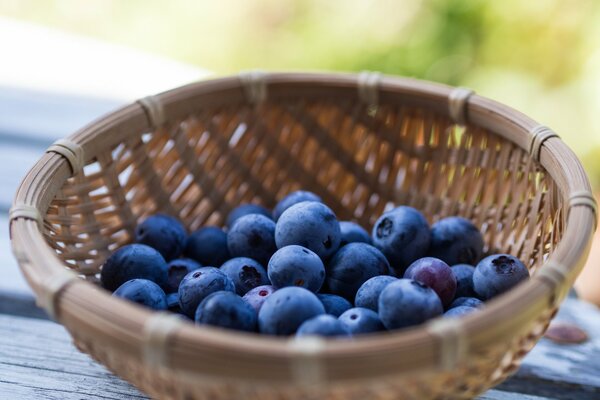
299 271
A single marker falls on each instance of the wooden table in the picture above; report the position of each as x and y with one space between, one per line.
38 360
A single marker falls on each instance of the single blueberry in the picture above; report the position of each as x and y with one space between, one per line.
296 266
459 311
246 209
176 270
208 246
353 265
257 296
361 320
309 224
198 284
403 235
455 240
253 236
496 274
291 199
245 273
467 302
436 274
144 292
133 261
464 280
164 233
286 309
226 310
353 232
173 302
322 325
407 302
334 304
367 295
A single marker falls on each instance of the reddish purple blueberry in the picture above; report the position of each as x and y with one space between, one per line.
436 274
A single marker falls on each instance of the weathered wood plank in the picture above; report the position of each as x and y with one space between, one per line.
15 161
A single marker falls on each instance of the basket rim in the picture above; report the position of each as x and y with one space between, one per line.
80 305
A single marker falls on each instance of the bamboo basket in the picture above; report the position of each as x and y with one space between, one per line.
363 143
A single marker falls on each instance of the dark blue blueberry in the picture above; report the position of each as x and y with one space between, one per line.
133 261
459 311
293 198
226 310
322 325
286 309
496 274
367 295
436 274
361 320
312 225
253 236
334 304
467 302
296 266
257 296
176 270
353 232
246 209
144 292
456 240
407 302
403 235
353 265
464 280
173 302
198 284
245 273
208 246
164 233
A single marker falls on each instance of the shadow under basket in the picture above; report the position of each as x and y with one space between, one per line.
364 143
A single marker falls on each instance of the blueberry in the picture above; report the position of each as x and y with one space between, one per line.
226 310
309 224
403 235
198 284
245 273
253 236
144 292
459 311
208 246
286 309
257 296
164 233
407 302
464 280
456 240
334 304
133 261
352 266
436 274
296 266
173 302
467 302
293 198
322 325
353 232
361 320
496 274
176 270
367 295
246 209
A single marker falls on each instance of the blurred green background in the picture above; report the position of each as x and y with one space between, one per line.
539 56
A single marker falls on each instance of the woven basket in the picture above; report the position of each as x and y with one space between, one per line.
363 143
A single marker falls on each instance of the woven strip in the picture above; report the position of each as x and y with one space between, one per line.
155 111
539 135
554 275
26 211
69 150
254 86
368 87
157 331
52 287
306 366
457 101
453 342
585 198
